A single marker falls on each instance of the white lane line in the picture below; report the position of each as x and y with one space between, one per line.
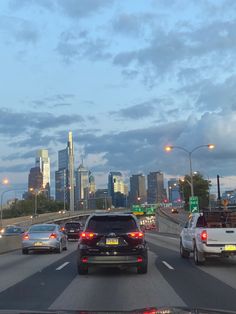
62 266
167 265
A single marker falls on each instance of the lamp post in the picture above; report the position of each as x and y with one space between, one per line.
170 148
36 193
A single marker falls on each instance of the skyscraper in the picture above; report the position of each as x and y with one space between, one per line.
64 176
116 189
71 172
82 183
174 190
43 163
156 192
35 180
137 189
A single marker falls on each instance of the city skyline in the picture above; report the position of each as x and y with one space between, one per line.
126 79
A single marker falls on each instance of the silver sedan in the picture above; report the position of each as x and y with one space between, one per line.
44 237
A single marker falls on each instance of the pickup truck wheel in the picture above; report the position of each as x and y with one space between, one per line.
199 258
183 253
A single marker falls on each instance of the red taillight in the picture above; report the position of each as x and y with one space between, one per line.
139 259
136 235
53 236
26 236
204 235
87 235
84 260
63 229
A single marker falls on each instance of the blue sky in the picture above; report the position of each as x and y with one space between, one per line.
127 77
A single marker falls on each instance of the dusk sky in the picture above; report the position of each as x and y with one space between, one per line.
127 77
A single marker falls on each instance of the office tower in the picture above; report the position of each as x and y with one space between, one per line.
174 190
156 192
43 163
71 172
116 189
82 183
138 192
92 184
64 176
35 180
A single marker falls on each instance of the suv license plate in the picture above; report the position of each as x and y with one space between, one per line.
230 247
112 241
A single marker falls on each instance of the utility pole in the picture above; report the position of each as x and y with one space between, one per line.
71 172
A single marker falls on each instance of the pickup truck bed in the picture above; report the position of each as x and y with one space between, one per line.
207 234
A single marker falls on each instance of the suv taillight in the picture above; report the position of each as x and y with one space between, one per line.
87 235
204 235
136 235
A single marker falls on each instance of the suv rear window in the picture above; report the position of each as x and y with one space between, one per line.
72 225
106 224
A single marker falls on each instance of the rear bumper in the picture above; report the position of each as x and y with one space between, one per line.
73 235
215 249
113 260
45 245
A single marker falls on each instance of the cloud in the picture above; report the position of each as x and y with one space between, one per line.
177 48
16 156
82 8
140 111
20 30
16 168
94 50
16 123
133 24
72 8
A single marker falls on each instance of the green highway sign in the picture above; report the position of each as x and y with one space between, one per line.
193 204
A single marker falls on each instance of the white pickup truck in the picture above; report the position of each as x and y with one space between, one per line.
207 234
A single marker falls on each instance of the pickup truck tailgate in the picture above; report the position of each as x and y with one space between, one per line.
221 236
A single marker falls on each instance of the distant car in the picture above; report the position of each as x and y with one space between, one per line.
62 212
44 237
11 231
112 240
73 229
174 210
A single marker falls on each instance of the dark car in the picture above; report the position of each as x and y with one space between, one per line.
73 229
112 240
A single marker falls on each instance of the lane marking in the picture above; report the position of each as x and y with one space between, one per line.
62 266
167 265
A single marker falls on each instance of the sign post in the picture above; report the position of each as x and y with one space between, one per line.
193 204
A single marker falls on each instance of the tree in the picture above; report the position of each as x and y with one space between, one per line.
201 189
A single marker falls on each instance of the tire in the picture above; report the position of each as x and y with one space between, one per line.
82 270
59 249
25 251
143 267
198 257
183 253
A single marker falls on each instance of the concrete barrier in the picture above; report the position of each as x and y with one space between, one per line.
10 243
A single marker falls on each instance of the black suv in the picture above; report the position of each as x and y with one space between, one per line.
73 229
112 240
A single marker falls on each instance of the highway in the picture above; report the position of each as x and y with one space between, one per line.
42 281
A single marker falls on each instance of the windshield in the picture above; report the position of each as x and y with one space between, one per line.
112 224
122 112
43 228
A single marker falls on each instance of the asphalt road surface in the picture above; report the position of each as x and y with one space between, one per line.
44 281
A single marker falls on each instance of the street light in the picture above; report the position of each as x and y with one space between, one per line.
36 193
169 148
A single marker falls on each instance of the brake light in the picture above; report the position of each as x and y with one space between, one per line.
136 235
204 235
26 236
87 235
84 260
139 259
53 236
63 229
